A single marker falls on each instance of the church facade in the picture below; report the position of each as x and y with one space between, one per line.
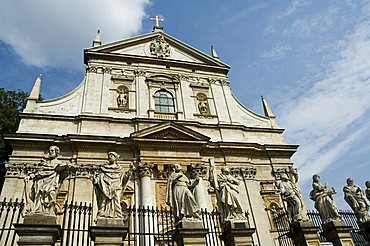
155 101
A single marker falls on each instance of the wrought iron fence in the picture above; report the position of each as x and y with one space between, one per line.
282 226
147 226
10 212
349 219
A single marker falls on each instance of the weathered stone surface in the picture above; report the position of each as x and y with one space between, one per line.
189 233
38 218
338 233
37 234
108 235
304 233
237 233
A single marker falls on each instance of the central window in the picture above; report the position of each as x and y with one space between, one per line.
164 102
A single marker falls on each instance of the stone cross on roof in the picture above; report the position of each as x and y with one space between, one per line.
157 20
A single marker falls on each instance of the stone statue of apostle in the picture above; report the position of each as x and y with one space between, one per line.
180 197
109 184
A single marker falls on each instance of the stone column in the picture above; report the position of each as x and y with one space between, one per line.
38 229
237 233
201 190
147 199
147 195
304 233
190 233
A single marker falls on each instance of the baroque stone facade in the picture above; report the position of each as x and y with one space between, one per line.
155 101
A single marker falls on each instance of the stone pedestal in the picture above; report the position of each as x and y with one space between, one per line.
38 229
190 233
366 229
108 232
337 233
237 233
304 233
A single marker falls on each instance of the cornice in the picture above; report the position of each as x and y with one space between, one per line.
91 55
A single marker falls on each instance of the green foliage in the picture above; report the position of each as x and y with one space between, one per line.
11 103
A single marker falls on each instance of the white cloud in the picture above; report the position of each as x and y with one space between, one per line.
321 118
277 51
48 33
296 4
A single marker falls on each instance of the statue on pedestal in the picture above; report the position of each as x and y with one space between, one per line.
47 179
109 183
227 188
180 197
324 203
355 197
291 195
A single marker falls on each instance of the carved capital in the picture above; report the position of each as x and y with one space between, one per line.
107 70
145 170
198 170
91 69
244 172
140 72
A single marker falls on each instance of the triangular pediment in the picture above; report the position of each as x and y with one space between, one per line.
157 45
169 131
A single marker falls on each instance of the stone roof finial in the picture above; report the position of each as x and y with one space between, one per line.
35 93
214 54
268 113
97 41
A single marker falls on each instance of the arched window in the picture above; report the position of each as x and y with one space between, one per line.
164 102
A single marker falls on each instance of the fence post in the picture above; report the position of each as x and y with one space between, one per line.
304 233
190 233
38 229
337 233
237 233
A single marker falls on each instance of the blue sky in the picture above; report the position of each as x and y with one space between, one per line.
310 59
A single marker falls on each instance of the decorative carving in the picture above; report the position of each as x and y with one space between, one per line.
161 194
170 134
355 197
140 72
227 188
324 201
107 70
180 197
244 172
160 48
109 183
145 170
198 170
47 179
91 69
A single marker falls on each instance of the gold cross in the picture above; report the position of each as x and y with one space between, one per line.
157 20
